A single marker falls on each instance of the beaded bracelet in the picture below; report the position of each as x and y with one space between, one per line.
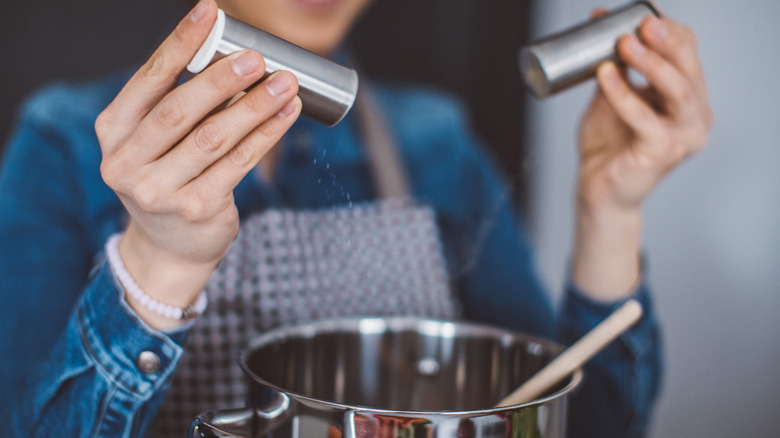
132 288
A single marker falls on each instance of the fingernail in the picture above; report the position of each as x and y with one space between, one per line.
278 84
636 47
199 11
657 28
609 74
245 64
288 109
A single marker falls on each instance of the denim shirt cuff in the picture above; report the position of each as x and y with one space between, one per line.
582 313
115 336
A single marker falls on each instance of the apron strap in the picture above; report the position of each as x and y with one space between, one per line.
390 178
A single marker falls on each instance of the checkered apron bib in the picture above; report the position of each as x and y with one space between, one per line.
291 267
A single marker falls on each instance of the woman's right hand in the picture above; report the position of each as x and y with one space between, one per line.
174 154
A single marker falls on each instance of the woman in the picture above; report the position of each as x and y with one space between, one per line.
173 175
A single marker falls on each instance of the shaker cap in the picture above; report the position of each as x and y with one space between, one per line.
207 51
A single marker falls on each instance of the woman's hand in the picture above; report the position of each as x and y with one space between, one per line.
174 154
630 138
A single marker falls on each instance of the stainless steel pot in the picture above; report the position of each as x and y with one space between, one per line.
391 377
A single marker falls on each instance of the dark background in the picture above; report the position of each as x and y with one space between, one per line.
467 47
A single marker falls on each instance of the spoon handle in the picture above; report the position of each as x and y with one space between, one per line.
576 355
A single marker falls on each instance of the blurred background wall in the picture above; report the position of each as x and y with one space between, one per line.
712 228
42 41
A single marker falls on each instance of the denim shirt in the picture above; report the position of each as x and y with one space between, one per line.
72 344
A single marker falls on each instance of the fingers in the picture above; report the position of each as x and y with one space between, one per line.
158 75
672 119
628 106
176 114
668 58
222 133
598 12
204 193
676 44
677 91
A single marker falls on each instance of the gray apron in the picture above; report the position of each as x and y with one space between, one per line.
291 267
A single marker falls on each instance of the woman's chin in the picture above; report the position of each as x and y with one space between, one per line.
318 6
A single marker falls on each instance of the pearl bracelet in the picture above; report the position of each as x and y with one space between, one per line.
132 288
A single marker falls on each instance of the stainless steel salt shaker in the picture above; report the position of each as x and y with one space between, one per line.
327 90
564 59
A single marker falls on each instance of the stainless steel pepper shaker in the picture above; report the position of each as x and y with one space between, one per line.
327 90
564 59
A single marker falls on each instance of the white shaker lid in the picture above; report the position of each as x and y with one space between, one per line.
207 51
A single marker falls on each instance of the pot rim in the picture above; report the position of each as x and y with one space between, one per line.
380 325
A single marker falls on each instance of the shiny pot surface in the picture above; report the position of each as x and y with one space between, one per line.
391 377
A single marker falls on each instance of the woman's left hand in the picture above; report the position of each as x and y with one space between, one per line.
629 139
631 136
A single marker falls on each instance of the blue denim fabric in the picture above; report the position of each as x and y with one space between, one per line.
625 375
71 343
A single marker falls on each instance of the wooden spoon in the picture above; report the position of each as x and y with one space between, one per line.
576 355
